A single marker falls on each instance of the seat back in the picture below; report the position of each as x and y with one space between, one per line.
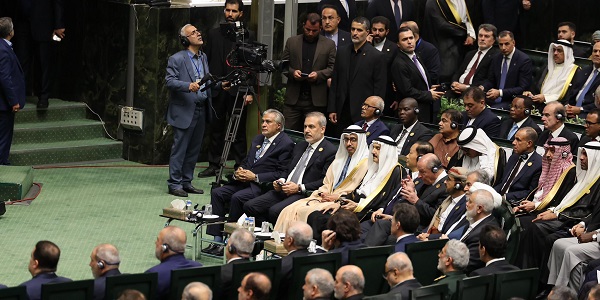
424 258
14 293
520 283
210 276
271 268
478 287
302 264
371 261
145 283
430 292
82 289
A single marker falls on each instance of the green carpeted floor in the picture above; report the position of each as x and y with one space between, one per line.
82 206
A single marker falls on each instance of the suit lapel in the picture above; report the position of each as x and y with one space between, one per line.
528 165
188 65
315 155
318 50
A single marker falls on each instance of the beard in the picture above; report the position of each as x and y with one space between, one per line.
470 215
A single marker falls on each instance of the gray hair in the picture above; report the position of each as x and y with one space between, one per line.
6 27
380 104
174 240
356 280
182 30
319 115
459 252
279 118
363 21
322 279
562 293
197 291
483 198
400 261
302 234
489 27
482 176
242 240
108 253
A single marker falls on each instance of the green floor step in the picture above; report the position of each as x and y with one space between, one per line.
15 182
65 152
56 131
57 110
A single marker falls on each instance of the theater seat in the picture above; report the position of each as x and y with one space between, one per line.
372 262
82 289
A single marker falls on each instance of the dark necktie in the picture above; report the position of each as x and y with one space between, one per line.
473 69
397 14
344 171
503 77
365 126
513 174
301 165
421 70
586 89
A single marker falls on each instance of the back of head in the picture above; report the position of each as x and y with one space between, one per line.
130 294
474 92
6 27
108 253
408 217
423 147
301 233
353 275
493 239
346 226
323 280
401 262
175 238
485 199
197 291
259 284
562 293
459 252
47 255
242 241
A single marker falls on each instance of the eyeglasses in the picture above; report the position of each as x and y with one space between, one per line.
368 106
588 123
351 140
385 273
195 32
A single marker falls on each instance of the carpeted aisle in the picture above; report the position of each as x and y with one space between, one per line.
82 206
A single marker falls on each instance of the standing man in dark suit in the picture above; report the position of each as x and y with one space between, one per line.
397 11
12 88
492 246
330 18
217 47
427 53
510 73
104 262
304 174
553 117
477 114
410 130
42 266
357 75
237 251
399 274
525 167
189 110
311 57
38 22
411 78
521 108
370 112
380 28
475 67
346 10
267 158
585 82
404 226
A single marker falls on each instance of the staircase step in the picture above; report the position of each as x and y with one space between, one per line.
57 110
15 182
57 131
65 151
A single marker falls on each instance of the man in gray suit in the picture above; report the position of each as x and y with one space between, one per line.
189 110
311 57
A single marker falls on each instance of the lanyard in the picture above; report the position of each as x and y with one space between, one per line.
197 67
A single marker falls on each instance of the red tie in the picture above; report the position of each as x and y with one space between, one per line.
473 69
365 125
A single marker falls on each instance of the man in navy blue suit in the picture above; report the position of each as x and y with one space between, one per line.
104 262
12 88
509 74
267 161
525 167
404 225
42 266
370 112
189 110
170 246
580 98
476 113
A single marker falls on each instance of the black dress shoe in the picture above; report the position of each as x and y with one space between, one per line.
210 171
178 192
218 250
210 248
42 104
192 190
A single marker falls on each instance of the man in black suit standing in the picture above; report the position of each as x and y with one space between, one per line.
304 174
331 20
510 73
410 130
585 82
492 246
380 28
477 114
399 274
521 108
411 78
525 167
553 117
346 10
427 53
37 24
397 11
357 75
474 69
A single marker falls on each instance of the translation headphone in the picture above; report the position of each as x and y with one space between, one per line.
527 111
232 249
419 157
453 125
102 264
417 110
565 154
185 42
459 186
165 248
436 168
559 116
377 112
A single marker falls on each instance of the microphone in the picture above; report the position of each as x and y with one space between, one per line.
206 78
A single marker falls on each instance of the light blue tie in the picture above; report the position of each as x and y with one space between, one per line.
512 132
586 89
344 171
503 77
259 151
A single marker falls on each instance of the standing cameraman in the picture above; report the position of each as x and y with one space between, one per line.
217 48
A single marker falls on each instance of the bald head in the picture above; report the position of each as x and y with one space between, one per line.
255 286
400 262
173 239
300 234
196 291
349 281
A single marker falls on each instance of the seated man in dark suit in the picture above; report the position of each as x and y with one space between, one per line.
509 75
521 108
169 249
492 246
237 251
553 117
304 174
42 266
196 291
370 112
410 130
452 261
104 262
592 125
254 286
267 159
476 113
523 168
318 285
342 234
399 275
581 98
404 226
